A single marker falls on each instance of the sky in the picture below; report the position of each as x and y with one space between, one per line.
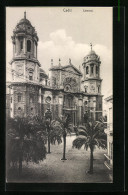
67 35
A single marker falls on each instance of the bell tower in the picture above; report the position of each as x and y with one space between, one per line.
91 69
92 82
25 65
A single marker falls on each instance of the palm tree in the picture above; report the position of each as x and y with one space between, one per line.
63 127
47 126
24 141
91 135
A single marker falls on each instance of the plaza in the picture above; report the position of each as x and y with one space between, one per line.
73 170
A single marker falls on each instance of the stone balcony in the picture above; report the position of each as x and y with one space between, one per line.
108 162
109 128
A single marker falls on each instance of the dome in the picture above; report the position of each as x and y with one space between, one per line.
92 52
91 56
24 26
25 21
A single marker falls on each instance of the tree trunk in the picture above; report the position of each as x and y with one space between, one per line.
91 161
48 145
64 147
20 164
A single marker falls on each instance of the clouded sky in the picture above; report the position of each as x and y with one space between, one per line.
67 35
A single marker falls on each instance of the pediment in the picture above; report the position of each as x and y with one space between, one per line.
73 69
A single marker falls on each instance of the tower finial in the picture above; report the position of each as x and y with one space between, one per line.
91 46
59 62
79 67
25 15
51 62
70 61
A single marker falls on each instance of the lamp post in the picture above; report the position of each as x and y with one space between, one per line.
48 114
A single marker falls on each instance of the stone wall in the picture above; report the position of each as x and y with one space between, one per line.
58 78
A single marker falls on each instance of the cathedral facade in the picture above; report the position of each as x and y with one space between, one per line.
65 91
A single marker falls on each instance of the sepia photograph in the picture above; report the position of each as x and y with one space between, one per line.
59 94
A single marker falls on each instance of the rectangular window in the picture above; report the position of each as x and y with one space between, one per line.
30 77
92 70
100 106
46 82
31 99
19 98
69 103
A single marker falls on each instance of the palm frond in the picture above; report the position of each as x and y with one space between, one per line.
101 143
79 141
82 132
83 128
96 125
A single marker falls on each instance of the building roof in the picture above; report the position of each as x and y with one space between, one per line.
43 72
59 67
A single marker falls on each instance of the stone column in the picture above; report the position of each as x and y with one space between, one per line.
25 101
99 71
89 69
12 103
25 70
60 106
80 101
94 105
17 46
94 70
84 68
39 102
13 49
24 45
60 78
36 51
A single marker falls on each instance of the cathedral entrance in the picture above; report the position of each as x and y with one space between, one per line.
72 115
69 108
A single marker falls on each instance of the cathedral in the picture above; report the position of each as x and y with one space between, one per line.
66 90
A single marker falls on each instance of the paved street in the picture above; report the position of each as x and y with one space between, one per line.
53 170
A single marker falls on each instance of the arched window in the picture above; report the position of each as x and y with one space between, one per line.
28 45
48 100
85 87
54 81
69 103
46 82
87 70
21 45
97 69
92 69
85 103
31 75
